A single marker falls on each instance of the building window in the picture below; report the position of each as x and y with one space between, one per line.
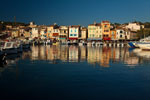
71 34
75 34
106 30
112 33
120 36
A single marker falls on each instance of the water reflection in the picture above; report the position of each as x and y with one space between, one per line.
93 55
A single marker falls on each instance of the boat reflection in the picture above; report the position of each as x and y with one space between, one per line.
103 57
142 54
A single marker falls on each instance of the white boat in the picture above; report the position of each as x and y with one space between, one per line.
144 45
135 44
10 48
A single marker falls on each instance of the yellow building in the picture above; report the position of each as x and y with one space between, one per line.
15 33
83 33
50 31
95 31
106 30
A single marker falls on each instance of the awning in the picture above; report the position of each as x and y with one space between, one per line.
107 38
73 38
55 34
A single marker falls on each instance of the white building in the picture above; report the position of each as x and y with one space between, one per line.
74 32
121 34
134 26
35 32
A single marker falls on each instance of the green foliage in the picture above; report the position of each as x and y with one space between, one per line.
13 23
143 33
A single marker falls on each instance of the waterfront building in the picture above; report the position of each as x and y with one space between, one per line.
53 32
95 32
56 33
21 32
27 32
35 33
121 34
84 33
50 31
106 30
74 32
43 33
63 36
124 34
15 33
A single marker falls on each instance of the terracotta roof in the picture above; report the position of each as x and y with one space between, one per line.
97 24
105 22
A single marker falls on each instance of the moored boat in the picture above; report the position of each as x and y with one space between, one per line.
10 48
144 45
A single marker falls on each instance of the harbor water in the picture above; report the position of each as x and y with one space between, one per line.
76 73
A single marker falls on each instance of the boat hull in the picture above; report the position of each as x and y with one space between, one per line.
133 45
144 46
10 51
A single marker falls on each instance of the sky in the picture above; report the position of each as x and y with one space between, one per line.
74 12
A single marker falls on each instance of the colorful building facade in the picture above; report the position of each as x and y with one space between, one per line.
106 30
95 31
74 32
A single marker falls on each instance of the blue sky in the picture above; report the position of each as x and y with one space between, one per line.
75 12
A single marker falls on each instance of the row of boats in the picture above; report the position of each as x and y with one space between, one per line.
143 44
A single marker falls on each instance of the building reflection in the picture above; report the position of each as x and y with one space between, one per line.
93 55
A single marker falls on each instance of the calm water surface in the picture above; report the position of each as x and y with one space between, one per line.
76 73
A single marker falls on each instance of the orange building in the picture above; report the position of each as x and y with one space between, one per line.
106 30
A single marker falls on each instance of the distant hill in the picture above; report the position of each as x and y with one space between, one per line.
13 23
